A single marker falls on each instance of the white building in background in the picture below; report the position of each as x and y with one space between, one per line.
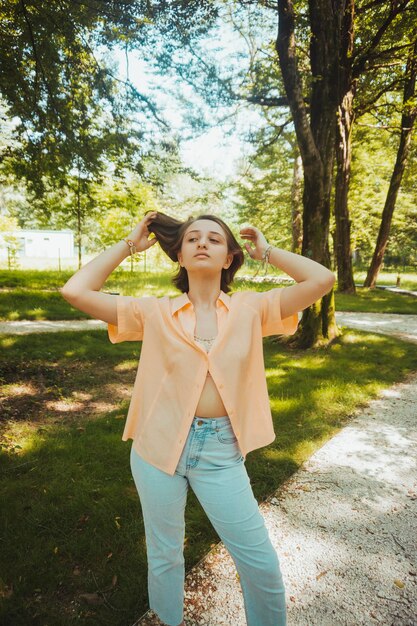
37 244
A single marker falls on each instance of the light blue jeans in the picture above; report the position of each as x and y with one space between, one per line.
212 464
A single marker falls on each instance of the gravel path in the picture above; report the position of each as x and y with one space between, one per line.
25 327
402 326
345 524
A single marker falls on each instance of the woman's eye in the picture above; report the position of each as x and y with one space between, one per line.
194 238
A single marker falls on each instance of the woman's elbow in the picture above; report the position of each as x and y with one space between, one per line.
66 294
327 282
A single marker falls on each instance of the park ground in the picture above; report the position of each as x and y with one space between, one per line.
74 549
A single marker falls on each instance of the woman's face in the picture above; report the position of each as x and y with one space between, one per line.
204 237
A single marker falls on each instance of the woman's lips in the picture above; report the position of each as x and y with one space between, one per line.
201 254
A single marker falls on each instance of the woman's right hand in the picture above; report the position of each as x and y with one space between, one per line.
139 235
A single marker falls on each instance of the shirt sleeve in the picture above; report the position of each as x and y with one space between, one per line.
130 320
269 303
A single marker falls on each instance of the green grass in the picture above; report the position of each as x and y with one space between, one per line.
376 301
34 295
71 521
31 295
27 304
408 279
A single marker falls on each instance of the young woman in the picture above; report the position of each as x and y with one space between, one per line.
200 401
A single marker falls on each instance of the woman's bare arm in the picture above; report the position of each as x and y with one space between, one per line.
82 290
313 280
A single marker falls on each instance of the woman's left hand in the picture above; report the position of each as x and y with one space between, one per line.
257 238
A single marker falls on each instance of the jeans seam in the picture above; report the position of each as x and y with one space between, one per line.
197 453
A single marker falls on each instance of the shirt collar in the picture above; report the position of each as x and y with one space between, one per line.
183 300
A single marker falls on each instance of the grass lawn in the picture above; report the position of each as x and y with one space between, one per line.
34 295
73 544
408 279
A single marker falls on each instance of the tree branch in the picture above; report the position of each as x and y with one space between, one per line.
268 101
389 51
371 5
361 60
285 46
126 83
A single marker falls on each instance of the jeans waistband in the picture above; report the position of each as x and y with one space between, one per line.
213 421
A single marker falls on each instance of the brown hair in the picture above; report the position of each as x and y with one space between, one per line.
170 233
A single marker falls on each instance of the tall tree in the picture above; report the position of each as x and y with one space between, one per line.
315 132
408 118
375 38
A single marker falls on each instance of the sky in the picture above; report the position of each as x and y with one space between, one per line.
212 152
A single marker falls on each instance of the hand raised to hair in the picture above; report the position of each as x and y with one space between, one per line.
256 237
140 233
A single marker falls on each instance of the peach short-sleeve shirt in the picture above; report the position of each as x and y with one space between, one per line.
173 367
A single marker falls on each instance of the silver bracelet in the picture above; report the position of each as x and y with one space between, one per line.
265 259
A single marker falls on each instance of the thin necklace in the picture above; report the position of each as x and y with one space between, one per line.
204 339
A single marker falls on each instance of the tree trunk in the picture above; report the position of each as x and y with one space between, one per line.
346 283
79 229
296 205
316 142
388 211
407 122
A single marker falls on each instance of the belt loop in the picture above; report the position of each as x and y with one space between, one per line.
213 424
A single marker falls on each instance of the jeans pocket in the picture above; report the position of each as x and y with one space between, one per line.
226 435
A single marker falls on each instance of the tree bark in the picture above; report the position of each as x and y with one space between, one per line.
316 142
345 118
407 122
296 205
79 228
